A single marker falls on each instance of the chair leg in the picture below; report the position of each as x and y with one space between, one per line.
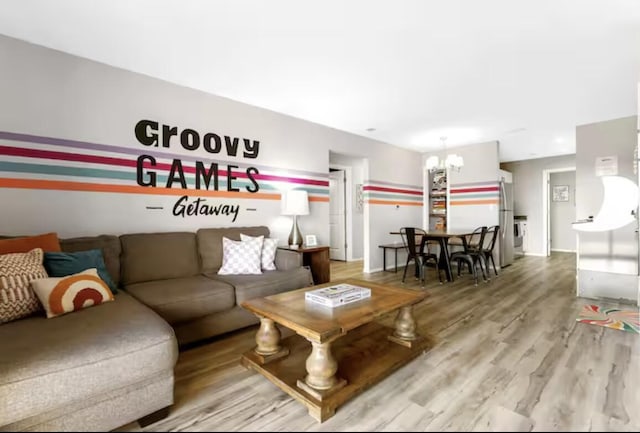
494 264
485 276
404 274
472 265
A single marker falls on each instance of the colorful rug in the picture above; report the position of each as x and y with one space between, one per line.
625 320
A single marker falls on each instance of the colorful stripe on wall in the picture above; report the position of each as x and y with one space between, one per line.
37 162
473 194
387 193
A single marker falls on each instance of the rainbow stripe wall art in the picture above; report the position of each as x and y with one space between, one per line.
49 163
476 193
387 193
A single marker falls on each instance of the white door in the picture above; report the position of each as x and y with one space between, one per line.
337 218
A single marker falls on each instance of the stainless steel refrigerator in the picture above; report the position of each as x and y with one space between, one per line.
506 222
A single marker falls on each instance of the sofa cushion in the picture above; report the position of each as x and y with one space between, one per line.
57 362
181 299
269 283
23 244
109 244
158 256
210 243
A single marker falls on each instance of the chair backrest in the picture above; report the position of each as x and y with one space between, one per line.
409 235
476 240
490 238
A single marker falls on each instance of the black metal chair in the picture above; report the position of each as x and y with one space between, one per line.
472 253
417 254
489 244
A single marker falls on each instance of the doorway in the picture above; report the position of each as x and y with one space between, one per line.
337 214
355 170
559 210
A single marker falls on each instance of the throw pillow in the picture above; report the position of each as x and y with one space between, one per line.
65 264
61 295
268 255
241 257
17 270
47 242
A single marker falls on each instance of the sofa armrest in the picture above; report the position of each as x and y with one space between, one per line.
286 260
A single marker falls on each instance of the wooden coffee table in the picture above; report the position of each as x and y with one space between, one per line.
349 351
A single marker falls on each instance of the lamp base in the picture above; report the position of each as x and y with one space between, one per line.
295 237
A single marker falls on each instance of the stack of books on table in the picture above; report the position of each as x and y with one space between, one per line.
337 295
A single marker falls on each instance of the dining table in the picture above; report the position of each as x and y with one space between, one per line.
443 237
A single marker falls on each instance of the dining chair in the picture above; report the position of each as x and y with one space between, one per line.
472 253
416 253
490 242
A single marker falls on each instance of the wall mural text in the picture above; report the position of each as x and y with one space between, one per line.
151 134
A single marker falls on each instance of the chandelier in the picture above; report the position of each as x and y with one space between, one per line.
451 162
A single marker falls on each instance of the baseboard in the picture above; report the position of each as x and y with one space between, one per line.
563 251
371 271
535 254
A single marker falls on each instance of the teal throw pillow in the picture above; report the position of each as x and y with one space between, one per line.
64 264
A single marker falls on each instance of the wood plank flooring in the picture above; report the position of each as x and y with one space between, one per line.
508 356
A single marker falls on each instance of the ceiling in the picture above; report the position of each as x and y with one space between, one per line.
522 72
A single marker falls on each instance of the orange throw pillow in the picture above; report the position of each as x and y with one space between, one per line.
48 242
61 295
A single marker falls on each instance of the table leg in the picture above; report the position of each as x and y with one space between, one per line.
405 332
268 341
396 262
321 380
384 259
444 262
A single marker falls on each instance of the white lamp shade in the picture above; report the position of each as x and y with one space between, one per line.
432 162
295 202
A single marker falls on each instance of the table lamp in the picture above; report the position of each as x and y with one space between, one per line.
295 202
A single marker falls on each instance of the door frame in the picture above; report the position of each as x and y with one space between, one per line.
348 208
546 207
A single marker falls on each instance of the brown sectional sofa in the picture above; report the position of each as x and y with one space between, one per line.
175 274
106 366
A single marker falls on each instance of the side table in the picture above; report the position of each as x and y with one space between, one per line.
317 258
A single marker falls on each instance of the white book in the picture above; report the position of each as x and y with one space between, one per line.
337 295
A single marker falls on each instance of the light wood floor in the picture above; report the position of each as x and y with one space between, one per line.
509 356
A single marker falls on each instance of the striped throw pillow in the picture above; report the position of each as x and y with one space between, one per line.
17 271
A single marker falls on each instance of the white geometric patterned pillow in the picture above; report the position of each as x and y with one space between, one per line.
241 257
268 257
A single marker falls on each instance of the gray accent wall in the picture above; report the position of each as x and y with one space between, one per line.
527 193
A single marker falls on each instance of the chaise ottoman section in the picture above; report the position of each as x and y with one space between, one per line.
58 365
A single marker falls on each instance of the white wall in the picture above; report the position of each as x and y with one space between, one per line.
563 213
69 105
527 193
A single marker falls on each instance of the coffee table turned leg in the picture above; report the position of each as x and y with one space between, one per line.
321 380
268 341
405 332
